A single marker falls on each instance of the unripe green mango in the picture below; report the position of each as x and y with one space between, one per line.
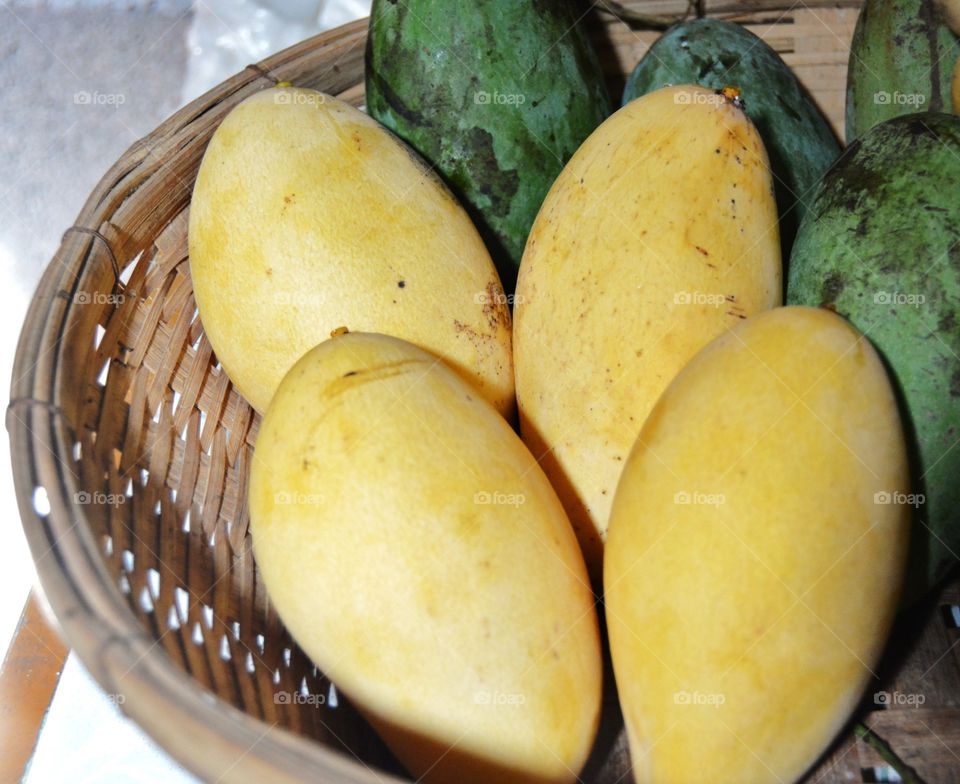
497 96
901 61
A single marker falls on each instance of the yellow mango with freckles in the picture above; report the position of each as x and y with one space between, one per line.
660 233
415 550
307 214
756 552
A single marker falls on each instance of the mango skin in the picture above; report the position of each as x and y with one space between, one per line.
900 47
431 63
715 53
418 554
955 88
751 579
670 198
885 222
306 216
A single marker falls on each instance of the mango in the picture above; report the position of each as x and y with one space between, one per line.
901 62
417 553
757 546
307 215
658 235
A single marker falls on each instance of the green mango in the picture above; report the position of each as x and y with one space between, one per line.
496 96
713 53
901 62
880 245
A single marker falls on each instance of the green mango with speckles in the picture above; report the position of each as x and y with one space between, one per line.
880 245
713 53
901 62
497 96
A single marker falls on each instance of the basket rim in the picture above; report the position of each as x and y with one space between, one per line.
210 737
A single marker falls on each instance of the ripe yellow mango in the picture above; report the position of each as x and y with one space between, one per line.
418 554
307 215
756 550
658 235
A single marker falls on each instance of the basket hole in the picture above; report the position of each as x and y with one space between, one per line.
286 657
108 546
332 699
207 614
173 621
879 773
182 601
144 477
41 502
249 665
225 648
173 494
146 602
153 582
124 584
186 522
104 374
236 630
304 689
197 635
127 272
98 334
276 677
156 509
951 615
177 397
260 643
77 451
129 491
156 414
127 561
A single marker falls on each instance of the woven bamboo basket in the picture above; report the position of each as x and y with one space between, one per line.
131 452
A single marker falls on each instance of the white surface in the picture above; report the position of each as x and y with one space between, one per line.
228 35
87 740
